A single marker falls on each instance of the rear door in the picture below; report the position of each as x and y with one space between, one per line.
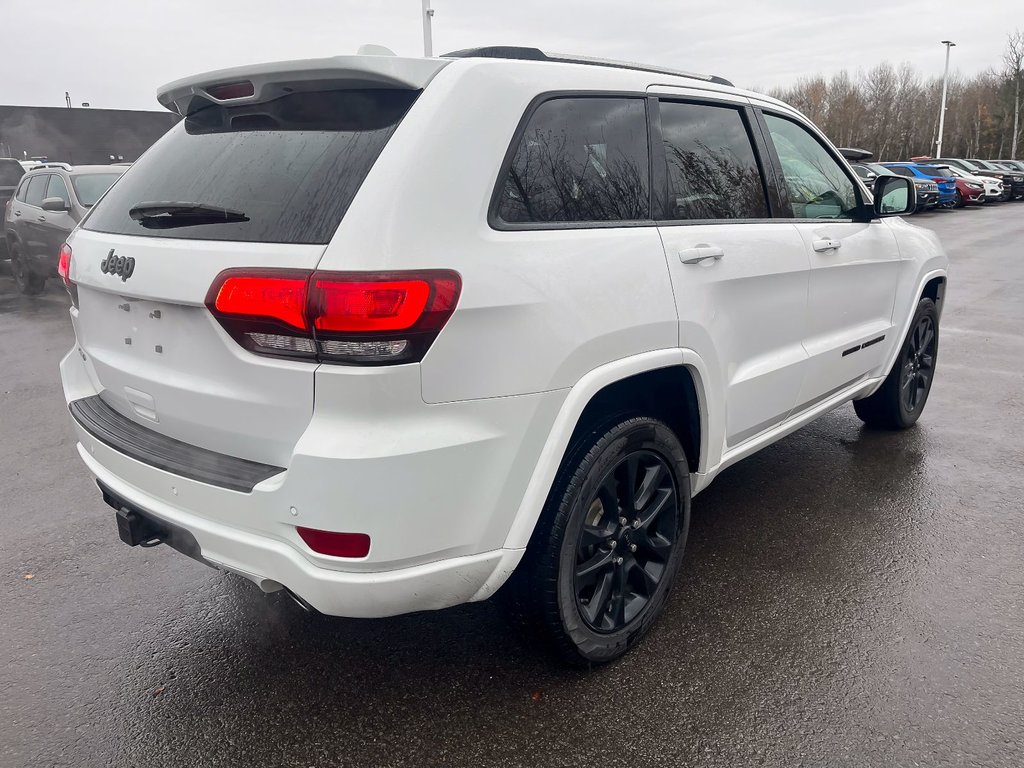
30 218
739 275
288 168
854 264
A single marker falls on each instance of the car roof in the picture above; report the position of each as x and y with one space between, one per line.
273 79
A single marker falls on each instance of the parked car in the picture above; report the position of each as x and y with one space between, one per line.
991 186
971 167
1016 178
10 174
509 377
1011 165
967 193
927 191
945 186
50 201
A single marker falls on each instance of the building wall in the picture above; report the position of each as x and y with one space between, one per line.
80 136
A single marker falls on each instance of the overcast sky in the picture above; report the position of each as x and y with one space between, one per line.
115 53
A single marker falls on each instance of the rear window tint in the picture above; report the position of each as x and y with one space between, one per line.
37 189
292 166
580 160
10 173
712 170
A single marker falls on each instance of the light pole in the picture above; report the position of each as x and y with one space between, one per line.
428 43
942 110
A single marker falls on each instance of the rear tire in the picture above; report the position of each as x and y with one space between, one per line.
27 281
900 400
959 200
599 567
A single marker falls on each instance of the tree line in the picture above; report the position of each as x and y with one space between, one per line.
893 111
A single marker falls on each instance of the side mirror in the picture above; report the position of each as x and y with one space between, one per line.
55 204
894 196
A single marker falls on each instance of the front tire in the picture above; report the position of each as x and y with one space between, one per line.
599 567
900 400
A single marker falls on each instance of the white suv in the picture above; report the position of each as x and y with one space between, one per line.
387 333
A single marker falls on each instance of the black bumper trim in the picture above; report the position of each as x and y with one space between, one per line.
188 461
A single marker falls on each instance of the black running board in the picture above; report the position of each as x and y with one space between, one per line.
188 461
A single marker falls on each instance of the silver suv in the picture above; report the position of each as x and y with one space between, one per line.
49 202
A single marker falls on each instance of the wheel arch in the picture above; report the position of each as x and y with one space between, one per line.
629 386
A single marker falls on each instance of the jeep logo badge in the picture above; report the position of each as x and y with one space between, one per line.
118 265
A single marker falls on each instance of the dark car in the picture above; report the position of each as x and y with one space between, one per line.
1016 178
11 172
50 201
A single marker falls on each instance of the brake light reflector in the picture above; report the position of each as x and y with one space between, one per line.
362 318
64 272
335 544
226 91
377 306
267 296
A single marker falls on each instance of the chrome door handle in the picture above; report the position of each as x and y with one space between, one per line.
699 254
827 244
41 218
17 213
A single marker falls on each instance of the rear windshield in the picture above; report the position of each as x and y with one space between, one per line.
931 170
90 187
290 166
10 173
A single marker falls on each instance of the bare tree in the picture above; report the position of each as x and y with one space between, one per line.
1014 61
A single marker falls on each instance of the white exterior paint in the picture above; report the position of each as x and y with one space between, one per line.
446 464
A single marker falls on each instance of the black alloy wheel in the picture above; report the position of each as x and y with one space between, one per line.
899 402
625 543
918 363
600 564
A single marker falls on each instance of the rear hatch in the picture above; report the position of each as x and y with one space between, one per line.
272 165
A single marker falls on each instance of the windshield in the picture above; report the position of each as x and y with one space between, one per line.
90 187
289 167
986 165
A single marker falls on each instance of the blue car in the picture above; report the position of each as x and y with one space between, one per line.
944 180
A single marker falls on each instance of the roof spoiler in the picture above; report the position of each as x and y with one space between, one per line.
855 155
264 82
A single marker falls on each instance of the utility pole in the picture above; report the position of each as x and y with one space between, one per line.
428 42
942 109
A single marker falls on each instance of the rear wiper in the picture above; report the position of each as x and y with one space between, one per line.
164 215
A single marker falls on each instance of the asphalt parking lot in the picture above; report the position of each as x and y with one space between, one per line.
848 598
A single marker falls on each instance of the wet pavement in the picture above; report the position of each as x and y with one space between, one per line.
848 598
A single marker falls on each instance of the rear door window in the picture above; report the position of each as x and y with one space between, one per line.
579 160
712 170
290 167
37 189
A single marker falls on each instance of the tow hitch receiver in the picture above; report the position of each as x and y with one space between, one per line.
137 529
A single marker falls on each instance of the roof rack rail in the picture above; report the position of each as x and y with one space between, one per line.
523 53
53 164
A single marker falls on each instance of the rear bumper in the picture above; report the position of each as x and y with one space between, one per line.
435 487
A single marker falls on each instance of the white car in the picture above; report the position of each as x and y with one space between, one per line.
389 333
993 187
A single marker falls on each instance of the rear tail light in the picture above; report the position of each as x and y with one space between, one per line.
335 544
64 272
228 91
358 318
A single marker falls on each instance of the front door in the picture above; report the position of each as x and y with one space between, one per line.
854 264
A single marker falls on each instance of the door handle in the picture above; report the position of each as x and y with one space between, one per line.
41 218
17 213
827 244
699 254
